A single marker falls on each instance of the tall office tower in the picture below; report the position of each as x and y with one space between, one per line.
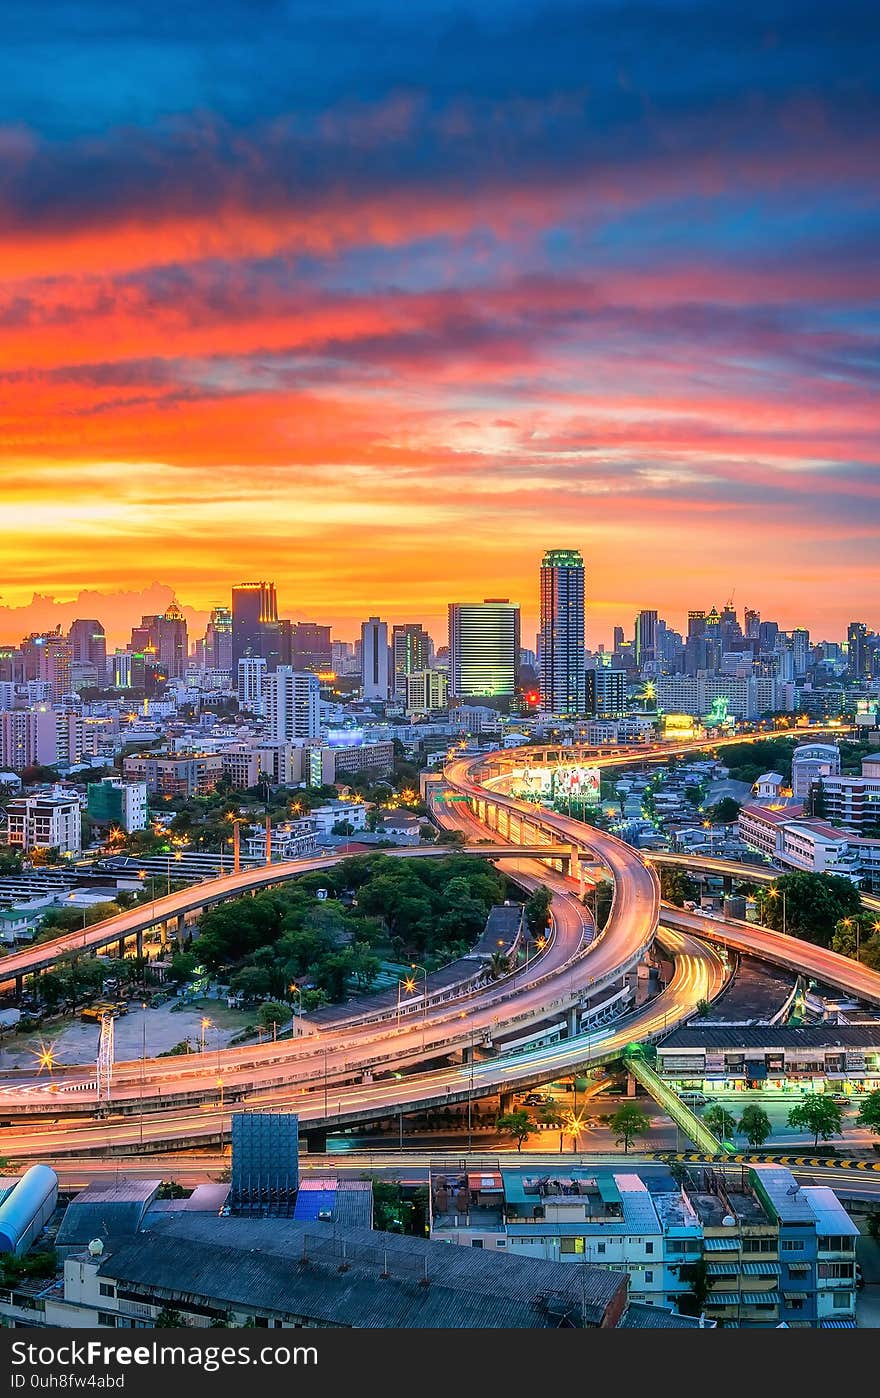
255 621
695 644
646 637
858 653
752 623
55 661
374 658
292 704
171 642
252 683
89 646
800 645
217 646
767 633
411 653
562 632
618 638
483 648
311 647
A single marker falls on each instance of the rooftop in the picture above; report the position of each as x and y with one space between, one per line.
803 1036
354 1277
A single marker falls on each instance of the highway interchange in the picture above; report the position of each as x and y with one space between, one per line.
351 1074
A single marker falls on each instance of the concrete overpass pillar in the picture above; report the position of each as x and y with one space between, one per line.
571 1021
505 1102
727 883
316 1139
19 986
120 949
630 1085
139 944
180 929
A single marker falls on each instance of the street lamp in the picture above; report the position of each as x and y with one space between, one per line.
774 893
414 966
295 990
407 984
206 1024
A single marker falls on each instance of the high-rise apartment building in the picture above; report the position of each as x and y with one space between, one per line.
55 664
483 648
411 653
606 692
858 651
292 704
374 659
255 626
251 677
562 632
28 738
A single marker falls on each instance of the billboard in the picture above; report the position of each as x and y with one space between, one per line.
576 783
531 783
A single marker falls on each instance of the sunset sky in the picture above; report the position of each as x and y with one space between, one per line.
380 301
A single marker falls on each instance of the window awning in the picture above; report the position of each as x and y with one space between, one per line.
761 1269
722 1269
760 1298
722 1244
485 1184
795 1295
837 1325
608 1191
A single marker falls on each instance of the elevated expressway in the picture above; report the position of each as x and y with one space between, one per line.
735 869
347 1075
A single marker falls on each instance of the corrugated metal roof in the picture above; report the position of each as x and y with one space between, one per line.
356 1278
829 1213
643 1317
803 1036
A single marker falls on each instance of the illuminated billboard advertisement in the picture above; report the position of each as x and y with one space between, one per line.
577 784
531 783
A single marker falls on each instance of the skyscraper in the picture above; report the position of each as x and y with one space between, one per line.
483 648
171 642
858 655
255 622
563 686
218 640
89 646
292 704
374 658
311 647
646 637
411 651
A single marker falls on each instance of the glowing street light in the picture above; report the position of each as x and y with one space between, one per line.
206 1024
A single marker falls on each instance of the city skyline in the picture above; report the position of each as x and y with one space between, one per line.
122 611
407 312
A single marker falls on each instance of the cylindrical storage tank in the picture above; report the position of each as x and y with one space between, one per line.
27 1209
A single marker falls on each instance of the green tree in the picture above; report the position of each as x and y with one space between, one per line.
677 886
754 1124
628 1123
273 1013
182 968
696 1274
725 811
814 904
720 1122
168 1319
873 1221
537 910
251 982
819 1114
869 1112
517 1124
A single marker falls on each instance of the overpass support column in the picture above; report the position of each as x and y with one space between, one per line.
505 1102
572 867
19 986
727 883
180 929
120 949
571 1021
316 1139
630 1085
139 944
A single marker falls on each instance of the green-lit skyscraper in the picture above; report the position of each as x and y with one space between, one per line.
563 685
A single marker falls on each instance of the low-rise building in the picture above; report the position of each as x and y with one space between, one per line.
115 802
44 822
